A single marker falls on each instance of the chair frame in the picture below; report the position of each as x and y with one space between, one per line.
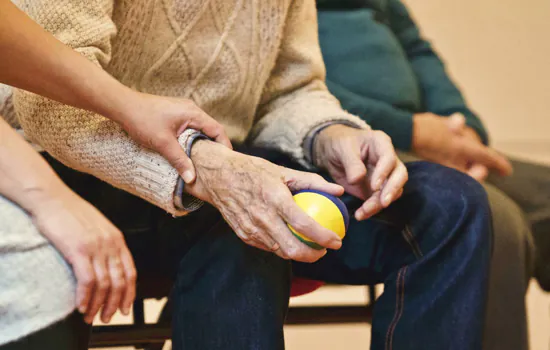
153 336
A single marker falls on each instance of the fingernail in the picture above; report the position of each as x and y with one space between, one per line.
187 176
126 311
82 309
359 215
388 199
378 184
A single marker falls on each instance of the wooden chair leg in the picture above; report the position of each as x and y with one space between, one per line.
372 294
165 317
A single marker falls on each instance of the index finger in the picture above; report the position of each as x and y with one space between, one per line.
85 277
488 157
304 224
210 127
387 161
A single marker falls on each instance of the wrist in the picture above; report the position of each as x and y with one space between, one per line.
419 139
206 152
41 199
122 105
323 139
210 159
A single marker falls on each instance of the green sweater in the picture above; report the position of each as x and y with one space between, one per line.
381 69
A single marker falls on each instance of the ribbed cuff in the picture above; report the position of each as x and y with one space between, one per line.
182 199
309 142
156 180
305 154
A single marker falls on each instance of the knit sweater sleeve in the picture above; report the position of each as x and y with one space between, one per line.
441 95
395 122
295 99
83 140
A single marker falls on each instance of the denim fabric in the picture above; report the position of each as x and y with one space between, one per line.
431 249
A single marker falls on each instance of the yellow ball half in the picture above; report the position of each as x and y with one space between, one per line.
328 210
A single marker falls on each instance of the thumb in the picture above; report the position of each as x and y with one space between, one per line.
456 122
176 156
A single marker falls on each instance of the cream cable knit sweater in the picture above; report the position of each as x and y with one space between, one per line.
254 65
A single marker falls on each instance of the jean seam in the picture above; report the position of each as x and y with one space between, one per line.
399 306
411 241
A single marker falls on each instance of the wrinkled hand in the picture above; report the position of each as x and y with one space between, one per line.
449 142
254 196
364 162
457 124
155 122
96 250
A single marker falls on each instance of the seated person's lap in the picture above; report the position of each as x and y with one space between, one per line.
37 287
438 233
158 241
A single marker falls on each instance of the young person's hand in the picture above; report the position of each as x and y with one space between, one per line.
95 248
155 122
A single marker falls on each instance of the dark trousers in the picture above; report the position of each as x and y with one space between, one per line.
68 334
529 187
431 249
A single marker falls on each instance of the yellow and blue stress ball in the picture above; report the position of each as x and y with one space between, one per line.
329 211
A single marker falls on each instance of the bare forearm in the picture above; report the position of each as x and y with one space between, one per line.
25 178
34 60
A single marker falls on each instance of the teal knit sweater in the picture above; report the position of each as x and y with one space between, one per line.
382 70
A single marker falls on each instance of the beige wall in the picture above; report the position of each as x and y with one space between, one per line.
499 52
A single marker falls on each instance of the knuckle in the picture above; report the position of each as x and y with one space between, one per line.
87 281
278 196
103 283
131 276
247 227
255 234
85 247
118 284
181 163
293 252
382 135
243 236
109 240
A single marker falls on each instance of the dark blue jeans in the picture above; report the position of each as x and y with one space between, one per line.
431 250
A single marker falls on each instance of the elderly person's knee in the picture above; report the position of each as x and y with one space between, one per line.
512 233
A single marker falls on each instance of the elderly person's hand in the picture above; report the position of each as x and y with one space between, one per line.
364 163
254 196
448 141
